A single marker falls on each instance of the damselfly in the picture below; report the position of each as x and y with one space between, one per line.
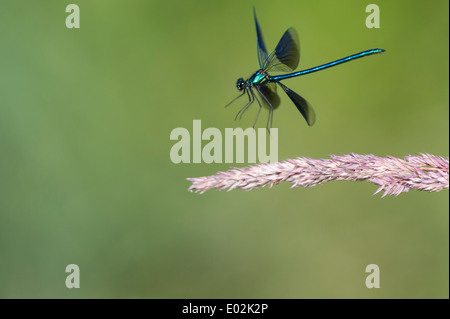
284 58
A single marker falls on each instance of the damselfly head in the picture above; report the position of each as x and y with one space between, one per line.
240 84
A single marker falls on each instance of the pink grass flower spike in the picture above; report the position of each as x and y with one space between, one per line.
393 175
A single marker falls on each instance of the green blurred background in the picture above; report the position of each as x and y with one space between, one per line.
86 177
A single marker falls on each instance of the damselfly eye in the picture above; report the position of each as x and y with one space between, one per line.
240 84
